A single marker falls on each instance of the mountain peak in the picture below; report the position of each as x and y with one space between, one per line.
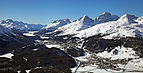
9 20
106 14
130 18
86 20
2 22
84 17
54 25
105 17
19 25
62 20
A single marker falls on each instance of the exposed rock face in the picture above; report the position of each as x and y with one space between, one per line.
86 20
106 17
128 18
139 20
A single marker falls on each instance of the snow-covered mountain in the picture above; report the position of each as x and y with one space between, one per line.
85 22
125 26
65 26
109 44
7 35
54 25
140 20
78 25
106 17
18 25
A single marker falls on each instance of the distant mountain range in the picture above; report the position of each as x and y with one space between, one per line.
106 23
11 33
106 42
20 26
71 27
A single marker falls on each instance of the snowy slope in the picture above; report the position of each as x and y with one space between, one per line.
123 53
8 55
67 27
3 30
140 20
18 25
6 34
133 65
56 24
78 25
86 22
123 27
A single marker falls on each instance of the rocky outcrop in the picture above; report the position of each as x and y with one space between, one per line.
106 17
128 18
139 20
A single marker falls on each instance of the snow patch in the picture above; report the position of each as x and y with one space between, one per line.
54 45
44 37
8 55
28 71
123 53
136 64
30 33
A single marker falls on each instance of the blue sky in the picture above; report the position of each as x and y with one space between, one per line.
45 11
